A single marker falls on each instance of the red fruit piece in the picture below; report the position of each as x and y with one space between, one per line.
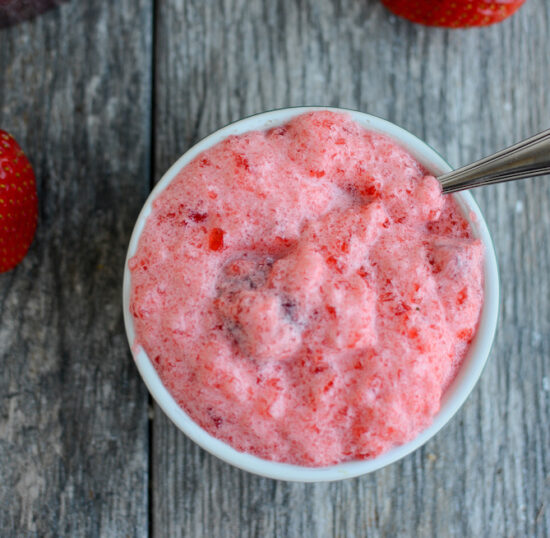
454 13
18 203
215 241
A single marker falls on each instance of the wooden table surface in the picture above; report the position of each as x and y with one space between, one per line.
104 95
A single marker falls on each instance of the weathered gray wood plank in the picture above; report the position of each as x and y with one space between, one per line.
467 93
75 88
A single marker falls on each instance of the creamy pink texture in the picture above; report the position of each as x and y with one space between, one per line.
306 293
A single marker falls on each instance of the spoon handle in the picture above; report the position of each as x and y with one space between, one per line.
528 158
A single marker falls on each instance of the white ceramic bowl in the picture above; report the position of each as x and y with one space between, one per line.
456 393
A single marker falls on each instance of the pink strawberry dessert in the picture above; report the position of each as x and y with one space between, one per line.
306 293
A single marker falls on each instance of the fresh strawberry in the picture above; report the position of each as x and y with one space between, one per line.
18 203
454 13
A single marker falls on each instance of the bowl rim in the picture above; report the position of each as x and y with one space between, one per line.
455 394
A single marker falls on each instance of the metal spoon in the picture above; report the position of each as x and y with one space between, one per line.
528 158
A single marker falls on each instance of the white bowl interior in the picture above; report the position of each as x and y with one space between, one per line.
454 396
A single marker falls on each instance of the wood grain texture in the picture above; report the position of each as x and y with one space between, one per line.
75 87
467 93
